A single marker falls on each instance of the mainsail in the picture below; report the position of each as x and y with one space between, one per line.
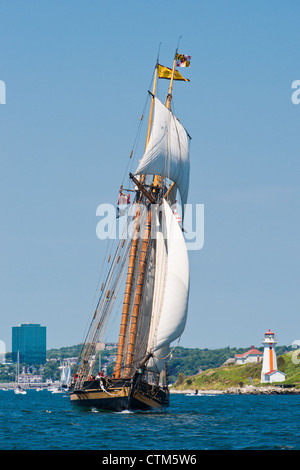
171 289
167 153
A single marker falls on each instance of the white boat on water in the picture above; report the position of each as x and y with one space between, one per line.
18 389
65 377
65 374
57 390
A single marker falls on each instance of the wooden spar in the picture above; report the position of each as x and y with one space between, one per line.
138 294
168 105
143 189
126 302
152 105
169 95
128 288
169 190
151 113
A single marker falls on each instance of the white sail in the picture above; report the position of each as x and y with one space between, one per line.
65 373
170 306
167 153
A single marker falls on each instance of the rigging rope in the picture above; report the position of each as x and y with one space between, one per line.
111 394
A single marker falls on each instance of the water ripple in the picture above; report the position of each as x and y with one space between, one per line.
46 421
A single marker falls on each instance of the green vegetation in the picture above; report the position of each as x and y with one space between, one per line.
287 364
65 352
7 373
188 361
237 375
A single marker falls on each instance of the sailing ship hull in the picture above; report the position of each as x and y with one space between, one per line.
120 396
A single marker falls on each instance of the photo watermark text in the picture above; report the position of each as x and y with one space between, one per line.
120 222
296 94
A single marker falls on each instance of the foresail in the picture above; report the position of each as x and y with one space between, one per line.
170 313
167 153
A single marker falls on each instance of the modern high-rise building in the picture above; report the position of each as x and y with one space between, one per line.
29 339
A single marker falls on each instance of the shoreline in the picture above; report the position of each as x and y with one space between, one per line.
247 390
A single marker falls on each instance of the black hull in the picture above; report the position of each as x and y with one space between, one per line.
106 404
119 396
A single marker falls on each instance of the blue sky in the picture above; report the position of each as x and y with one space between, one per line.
77 75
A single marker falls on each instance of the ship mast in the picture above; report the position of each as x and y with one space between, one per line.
129 279
152 105
157 179
132 256
169 95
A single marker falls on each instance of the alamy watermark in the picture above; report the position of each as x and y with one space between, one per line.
296 94
121 222
2 92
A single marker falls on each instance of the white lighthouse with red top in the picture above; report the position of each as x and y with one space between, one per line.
269 372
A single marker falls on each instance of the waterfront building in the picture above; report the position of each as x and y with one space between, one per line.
29 378
252 355
269 371
109 346
29 340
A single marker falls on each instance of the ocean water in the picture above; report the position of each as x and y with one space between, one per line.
45 421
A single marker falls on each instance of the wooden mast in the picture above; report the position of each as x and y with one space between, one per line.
138 294
141 272
168 105
127 295
132 257
169 95
129 280
152 105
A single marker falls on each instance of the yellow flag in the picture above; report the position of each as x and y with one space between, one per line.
165 72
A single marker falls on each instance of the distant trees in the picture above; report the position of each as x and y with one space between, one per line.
188 361
183 361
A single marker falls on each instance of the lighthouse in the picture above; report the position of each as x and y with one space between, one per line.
269 372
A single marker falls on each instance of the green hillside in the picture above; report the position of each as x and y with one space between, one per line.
238 375
188 361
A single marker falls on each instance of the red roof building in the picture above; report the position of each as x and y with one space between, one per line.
253 355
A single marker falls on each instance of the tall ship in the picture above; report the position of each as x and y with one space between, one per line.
148 271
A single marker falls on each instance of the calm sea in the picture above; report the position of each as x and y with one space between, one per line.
45 421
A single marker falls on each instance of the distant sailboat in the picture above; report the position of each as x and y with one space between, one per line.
18 389
155 302
65 374
65 378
